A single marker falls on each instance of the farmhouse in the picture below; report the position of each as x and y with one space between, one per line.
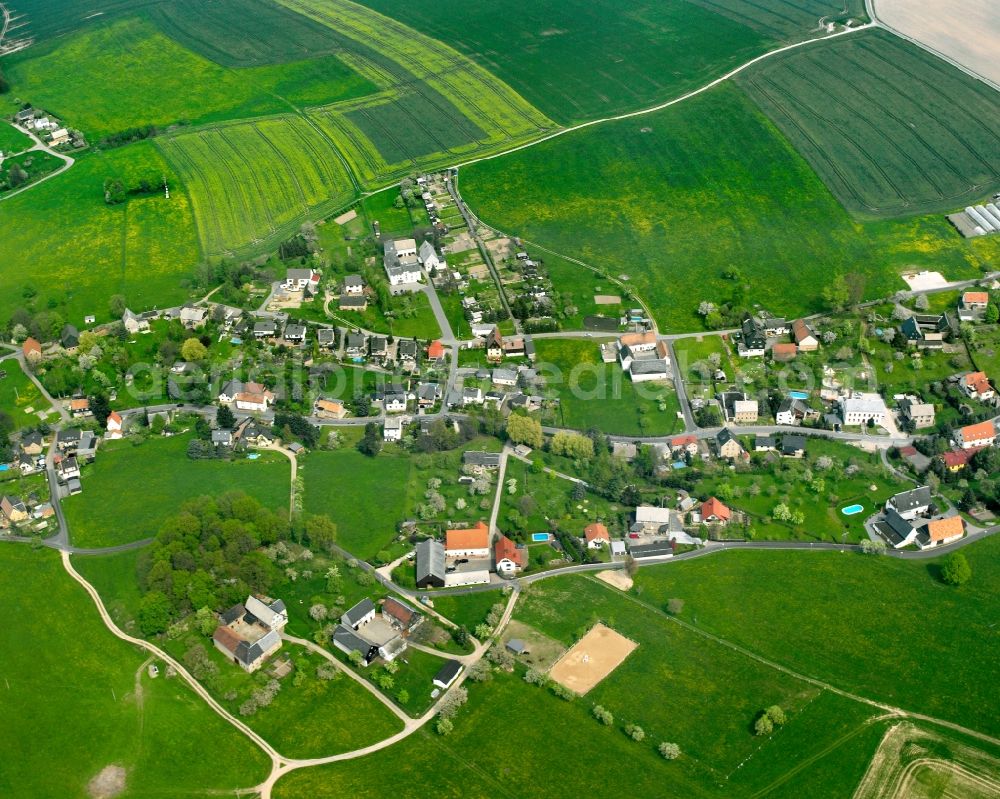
642 357
508 558
898 531
939 532
972 305
430 564
362 613
402 266
250 633
926 331
737 407
468 542
348 641
400 615
728 446
976 436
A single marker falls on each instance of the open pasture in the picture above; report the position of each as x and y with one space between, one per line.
62 240
584 59
70 685
12 140
253 182
677 198
890 128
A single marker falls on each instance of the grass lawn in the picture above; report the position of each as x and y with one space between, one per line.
365 497
598 395
129 490
986 350
891 128
675 199
87 693
468 610
12 140
916 369
18 394
875 626
62 241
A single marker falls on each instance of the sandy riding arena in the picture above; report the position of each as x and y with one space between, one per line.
593 658
616 578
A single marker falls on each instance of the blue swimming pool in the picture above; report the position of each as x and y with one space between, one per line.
539 536
852 510
799 395
4 467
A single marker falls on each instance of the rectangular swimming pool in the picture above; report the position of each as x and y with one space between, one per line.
539 536
799 395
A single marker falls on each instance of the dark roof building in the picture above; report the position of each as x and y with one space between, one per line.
448 674
430 568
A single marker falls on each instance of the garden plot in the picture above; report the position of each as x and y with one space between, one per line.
591 659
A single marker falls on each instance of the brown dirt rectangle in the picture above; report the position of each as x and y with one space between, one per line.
591 659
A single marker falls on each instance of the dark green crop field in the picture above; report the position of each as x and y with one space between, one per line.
677 198
889 127
584 59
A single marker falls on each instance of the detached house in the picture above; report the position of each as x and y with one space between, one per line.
714 512
428 256
508 558
910 504
976 436
596 536
939 532
976 385
265 329
791 412
494 346
353 286
926 331
805 340
401 264
32 350
301 279
752 339
728 446
115 426
13 509
249 397
972 305
79 407
470 542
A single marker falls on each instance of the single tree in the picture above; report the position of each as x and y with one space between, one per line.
225 419
956 569
669 751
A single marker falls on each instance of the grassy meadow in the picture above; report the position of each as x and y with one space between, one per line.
12 140
18 395
584 59
889 127
677 198
129 490
62 240
597 395
76 699
876 626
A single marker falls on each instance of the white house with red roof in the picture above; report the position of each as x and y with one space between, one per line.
977 386
596 536
115 426
714 512
301 279
507 556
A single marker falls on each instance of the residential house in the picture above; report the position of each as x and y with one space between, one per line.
192 316
643 357
926 331
480 462
252 397
400 615
295 334
513 347
430 564
428 394
355 345
402 266
508 558
655 522
494 346
773 326
349 303
918 414
348 641
435 351
972 305
737 407
896 530
752 339
684 444
301 279
791 412
976 436
32 350
255 436
67 467
728 446
13 509
115 426
429 258
472 395
406 353
793 446
910 504
329 409
765 444
470 542
805 340
353 286
79 407
596 536
250 637
378 347
504 377
976 385
222 438
714 512
957 459
394 402
861 409
939 532
392 429
359 615
784 351
327 338
32 443
68 439
447 674
69 339
134 323
266 328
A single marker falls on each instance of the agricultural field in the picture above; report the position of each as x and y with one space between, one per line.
826 621
366 519
91 695
12 140
102 81
20 398
435 106
64 245
254 182
577 60
709 715
889 127
596 395
107 513
677 198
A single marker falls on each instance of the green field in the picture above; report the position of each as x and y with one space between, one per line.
12 140
77 700
365 497
583 59
876 626
596 395
76 251
130 490
891 128
255 181
18 394
676 198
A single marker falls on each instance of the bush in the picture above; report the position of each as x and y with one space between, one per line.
533 677
776 714
635 732
675 606
763 725
444 726
956 569
669 751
